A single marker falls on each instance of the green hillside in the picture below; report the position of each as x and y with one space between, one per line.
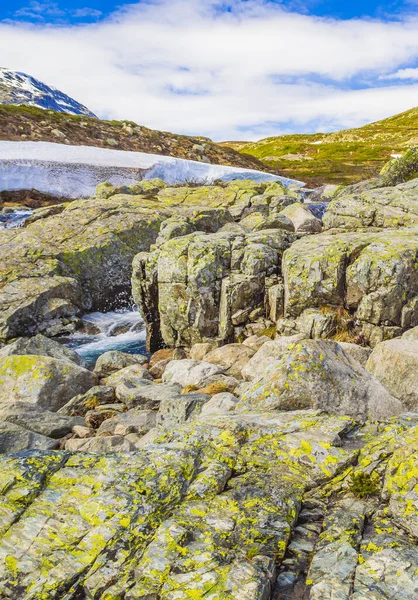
342 157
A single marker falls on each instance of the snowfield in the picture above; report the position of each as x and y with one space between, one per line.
75 171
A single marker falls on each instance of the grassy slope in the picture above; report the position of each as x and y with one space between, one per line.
26 123
342 157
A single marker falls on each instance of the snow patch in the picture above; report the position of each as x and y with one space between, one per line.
75 171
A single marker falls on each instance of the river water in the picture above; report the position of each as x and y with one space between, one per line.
122 330
15 219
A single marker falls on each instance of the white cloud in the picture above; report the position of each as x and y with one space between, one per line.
411 74
183 65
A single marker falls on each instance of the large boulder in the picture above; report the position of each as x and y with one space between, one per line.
203 286
43 381
57 268
39 345
319 375
146 396
395 364
372 275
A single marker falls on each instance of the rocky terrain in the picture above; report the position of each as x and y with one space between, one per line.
28 123
342 157
265 447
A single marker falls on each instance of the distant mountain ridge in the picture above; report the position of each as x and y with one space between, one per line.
342 157
21 89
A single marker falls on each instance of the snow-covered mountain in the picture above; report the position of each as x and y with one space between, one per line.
19 88
74 171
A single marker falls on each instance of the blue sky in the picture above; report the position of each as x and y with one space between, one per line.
229 69
86 11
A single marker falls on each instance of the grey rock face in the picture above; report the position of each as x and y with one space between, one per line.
383 207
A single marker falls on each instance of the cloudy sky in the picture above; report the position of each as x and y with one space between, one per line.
228 69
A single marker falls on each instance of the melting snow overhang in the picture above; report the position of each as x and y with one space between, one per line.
75 171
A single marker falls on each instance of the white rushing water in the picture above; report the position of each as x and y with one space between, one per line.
75 171
122 330
15 219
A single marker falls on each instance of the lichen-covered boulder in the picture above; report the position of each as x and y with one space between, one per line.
57 268
134 421
383 207
220 404
373 275
176 410
146 396
46 382
319 375
203 286
39 345
395 364
95 396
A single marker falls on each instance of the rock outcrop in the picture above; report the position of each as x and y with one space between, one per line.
228 507
372 274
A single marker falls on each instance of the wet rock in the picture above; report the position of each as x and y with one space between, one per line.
39 345
114 360
318 374
14 438
395 364
81 404
43 381
60 267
